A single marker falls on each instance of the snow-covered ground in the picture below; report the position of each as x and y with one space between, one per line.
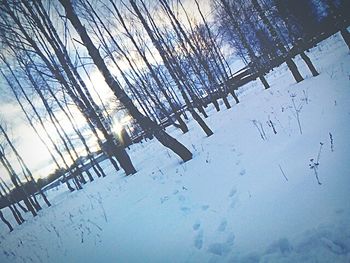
248 195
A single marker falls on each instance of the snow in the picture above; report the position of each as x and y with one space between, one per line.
248 195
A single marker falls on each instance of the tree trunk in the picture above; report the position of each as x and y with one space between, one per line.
89 175
227 104
295 72
216 104
12 206
16 214
200 121
309 64
6 222
264 82
201 110
234 95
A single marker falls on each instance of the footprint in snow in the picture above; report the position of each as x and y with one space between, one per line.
242 172
233 203
219 249
222 225
232 192
185 210
339 211
198 240
222 249
196 226
164 199
181 198
233 196
230 239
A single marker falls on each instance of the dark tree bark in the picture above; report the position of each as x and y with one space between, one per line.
11 201
5 221
346 36
308 62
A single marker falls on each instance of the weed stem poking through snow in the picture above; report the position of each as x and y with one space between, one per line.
284 175
296 112
332 142
314 165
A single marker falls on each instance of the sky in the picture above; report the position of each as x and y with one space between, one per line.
27 142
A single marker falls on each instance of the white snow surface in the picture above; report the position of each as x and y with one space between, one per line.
241 199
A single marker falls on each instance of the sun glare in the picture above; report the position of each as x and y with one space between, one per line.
122 123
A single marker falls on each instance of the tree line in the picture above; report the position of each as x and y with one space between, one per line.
159 61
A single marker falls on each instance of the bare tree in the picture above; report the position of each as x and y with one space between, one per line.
3 219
